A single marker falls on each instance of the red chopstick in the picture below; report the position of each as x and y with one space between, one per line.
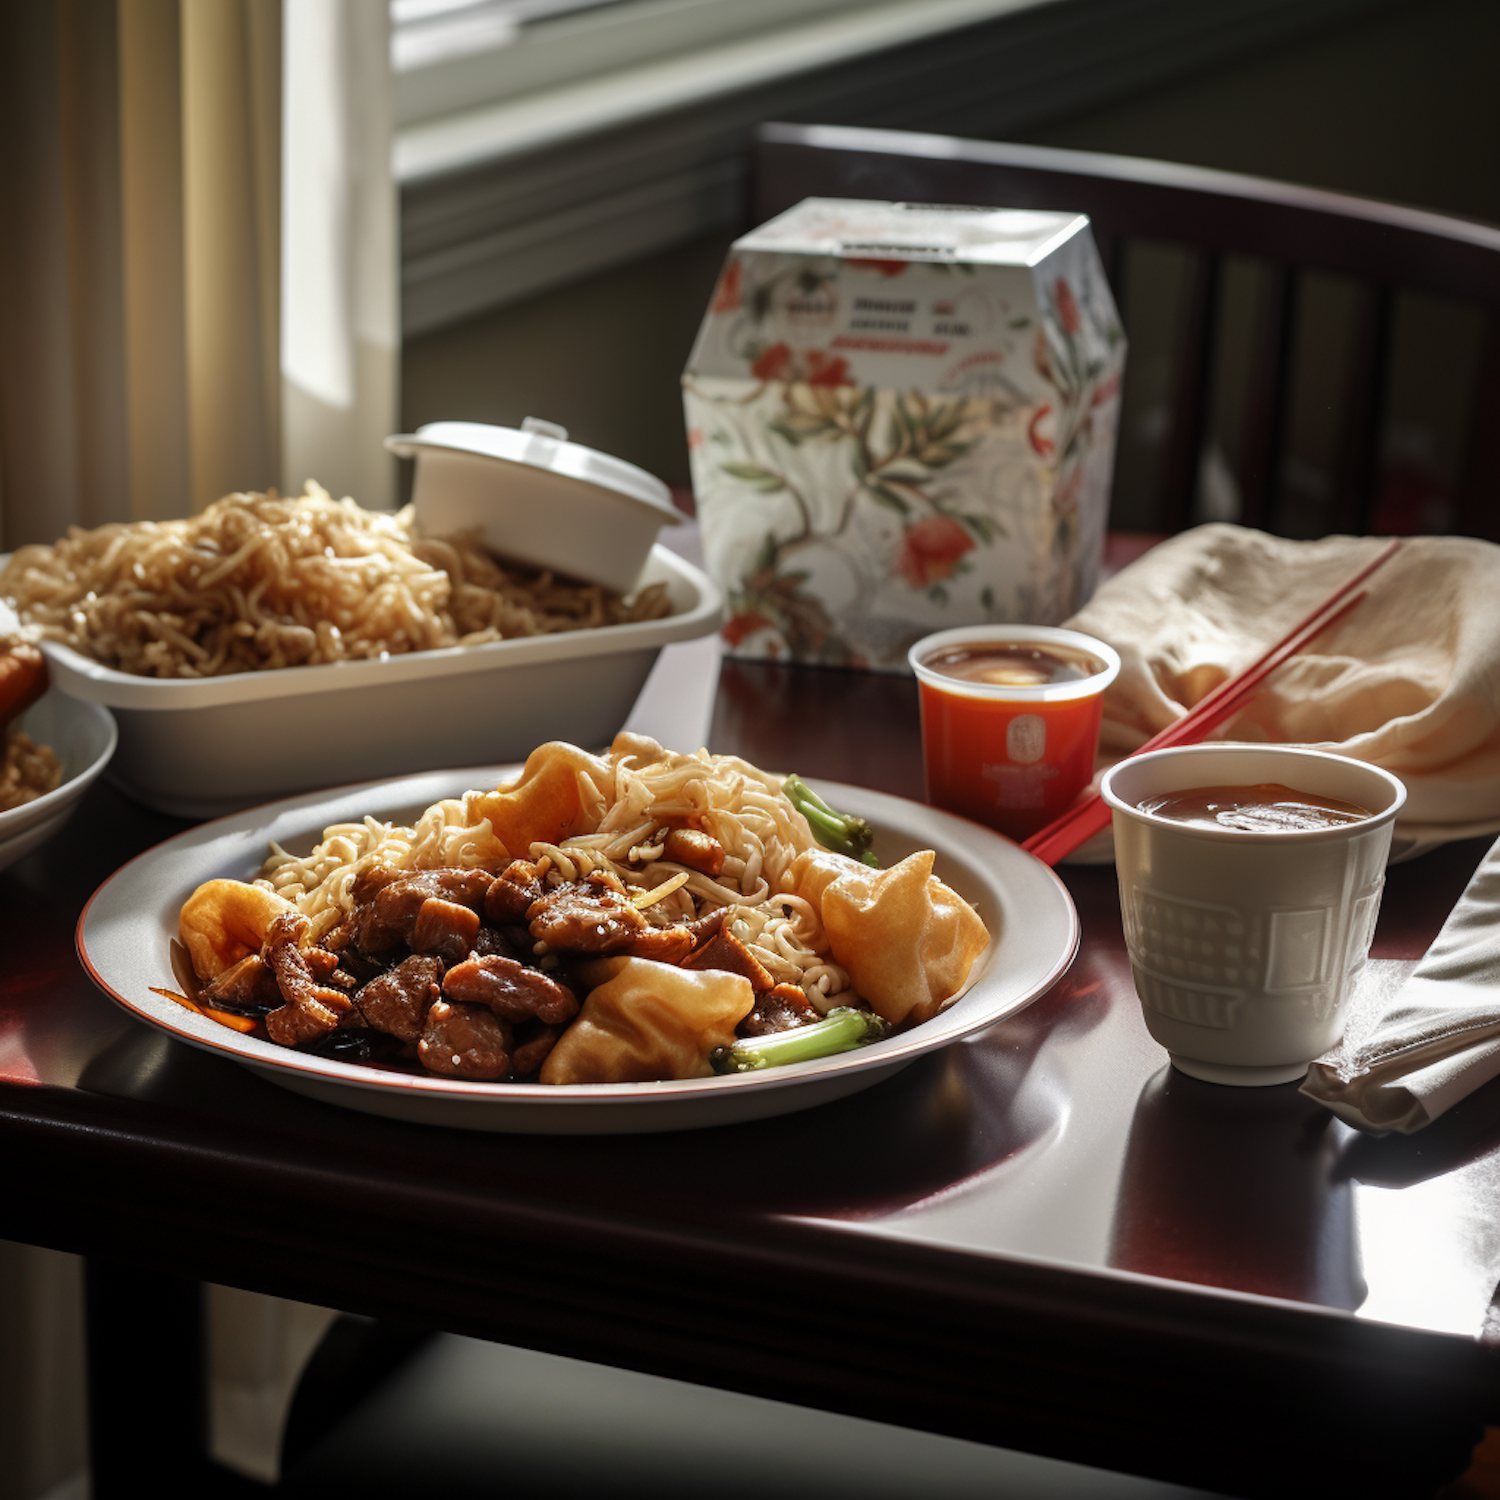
1084 819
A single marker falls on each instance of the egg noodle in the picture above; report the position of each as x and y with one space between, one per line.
27 770
743 808
257 582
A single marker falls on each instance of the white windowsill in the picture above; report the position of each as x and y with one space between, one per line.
435 148
505 202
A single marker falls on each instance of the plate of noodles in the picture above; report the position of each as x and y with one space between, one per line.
668 927
270 645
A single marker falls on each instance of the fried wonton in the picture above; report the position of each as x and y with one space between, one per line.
906 940
224 921
561 791
648 1020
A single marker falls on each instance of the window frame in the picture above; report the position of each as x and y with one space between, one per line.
509 199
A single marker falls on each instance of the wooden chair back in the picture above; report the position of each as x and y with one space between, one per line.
1385 250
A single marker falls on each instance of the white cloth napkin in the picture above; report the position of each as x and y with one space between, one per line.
1409 679
1438 1039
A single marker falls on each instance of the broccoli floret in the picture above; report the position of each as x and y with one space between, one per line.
841 832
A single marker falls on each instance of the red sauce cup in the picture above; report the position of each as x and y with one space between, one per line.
1013 757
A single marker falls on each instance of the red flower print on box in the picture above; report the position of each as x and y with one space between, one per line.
747 622
773 363
1067 308
931 550
727 295
778 362
1040 357
1041 444
1106 390
826 369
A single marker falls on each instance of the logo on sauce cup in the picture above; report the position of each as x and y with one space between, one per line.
1010 720
1026 739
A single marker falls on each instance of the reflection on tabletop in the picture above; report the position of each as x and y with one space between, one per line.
1036 1138
1235 1187
949 1118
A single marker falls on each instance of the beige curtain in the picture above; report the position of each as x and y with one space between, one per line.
162 342
197 295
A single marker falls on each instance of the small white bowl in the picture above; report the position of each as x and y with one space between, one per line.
202 747
533 496
84 737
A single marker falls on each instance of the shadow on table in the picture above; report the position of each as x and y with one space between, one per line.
1238 1188
946 1118
1457 1139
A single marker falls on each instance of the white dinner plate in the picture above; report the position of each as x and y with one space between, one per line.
126 930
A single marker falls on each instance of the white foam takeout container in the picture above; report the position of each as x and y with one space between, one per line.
208 746
531 495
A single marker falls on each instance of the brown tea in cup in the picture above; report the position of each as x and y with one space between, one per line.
1267 807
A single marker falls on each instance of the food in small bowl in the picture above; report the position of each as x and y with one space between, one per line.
630 917
1250 881
51 750
27 770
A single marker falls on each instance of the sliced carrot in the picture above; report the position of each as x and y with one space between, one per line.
180 999
234 1023
242 1024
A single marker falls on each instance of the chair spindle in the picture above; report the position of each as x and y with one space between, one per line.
1478 508
1357 461
1265 410
1193 367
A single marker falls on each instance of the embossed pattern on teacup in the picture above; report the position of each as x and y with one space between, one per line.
1192 942
1196 960
1191 958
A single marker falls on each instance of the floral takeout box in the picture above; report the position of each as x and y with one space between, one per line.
902 417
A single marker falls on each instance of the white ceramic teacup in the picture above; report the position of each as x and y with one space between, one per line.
1245 945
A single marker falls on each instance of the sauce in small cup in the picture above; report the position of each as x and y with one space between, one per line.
1010 720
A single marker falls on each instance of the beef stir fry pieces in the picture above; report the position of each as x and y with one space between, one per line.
467 1041
784 1007
510 989
471 974
398 1001
593 915
311 1008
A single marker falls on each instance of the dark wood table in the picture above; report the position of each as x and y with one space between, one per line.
1042 1238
